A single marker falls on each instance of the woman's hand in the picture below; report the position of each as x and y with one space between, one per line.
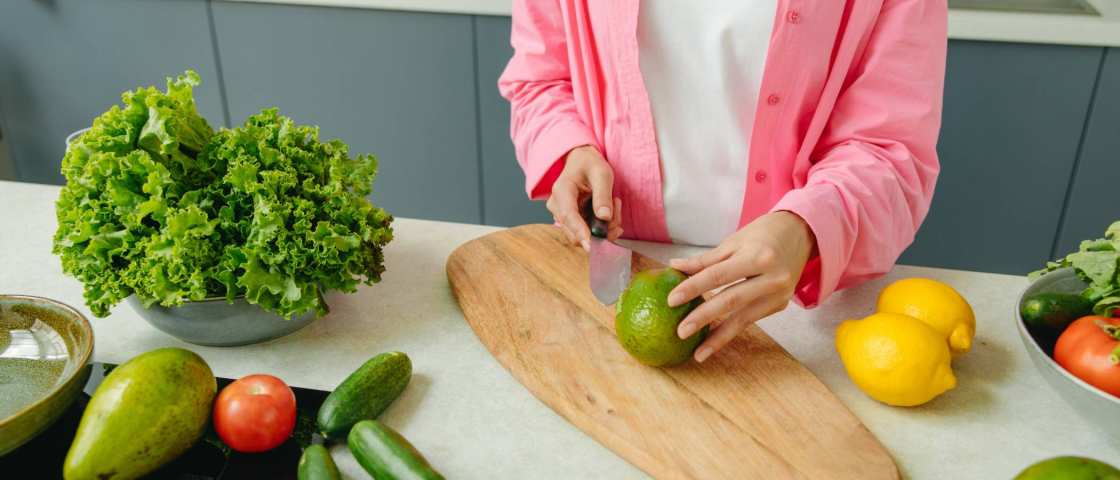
585 174
762 263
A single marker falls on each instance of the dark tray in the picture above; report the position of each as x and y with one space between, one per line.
209 459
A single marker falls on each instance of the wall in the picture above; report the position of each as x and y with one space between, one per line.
63 62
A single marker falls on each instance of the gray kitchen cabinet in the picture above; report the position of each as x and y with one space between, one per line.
7 171
400 85
1094 201
504 201
1012 123
63 62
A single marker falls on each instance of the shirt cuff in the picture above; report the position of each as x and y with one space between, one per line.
545 160
822 208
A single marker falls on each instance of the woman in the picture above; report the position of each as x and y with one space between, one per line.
797 137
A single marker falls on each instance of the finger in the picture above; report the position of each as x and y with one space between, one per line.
565 197
602 182
616 214
728 271
580 233
704 260
570 236
728 330
723 305
614 230
719 337
551 206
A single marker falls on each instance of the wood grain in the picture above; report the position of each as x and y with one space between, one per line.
751 411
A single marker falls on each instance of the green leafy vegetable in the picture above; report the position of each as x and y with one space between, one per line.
159 205
1098 263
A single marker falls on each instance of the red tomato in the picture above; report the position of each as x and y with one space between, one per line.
256 413
1088 350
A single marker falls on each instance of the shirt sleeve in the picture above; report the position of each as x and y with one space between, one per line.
875 165
544 123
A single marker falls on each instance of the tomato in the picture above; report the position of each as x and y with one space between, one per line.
256 413
1088 348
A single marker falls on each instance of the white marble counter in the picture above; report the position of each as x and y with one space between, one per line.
473 420
965 24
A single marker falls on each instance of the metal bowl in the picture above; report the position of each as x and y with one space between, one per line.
216 322
74 136
45 350
1095 405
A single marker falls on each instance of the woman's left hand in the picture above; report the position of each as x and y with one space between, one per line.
760 265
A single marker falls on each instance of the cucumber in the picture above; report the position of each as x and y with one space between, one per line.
316 464
364 394
386 455
1052 312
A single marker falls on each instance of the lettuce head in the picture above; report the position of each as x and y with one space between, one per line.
159 205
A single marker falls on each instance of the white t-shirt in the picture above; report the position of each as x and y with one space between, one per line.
702 63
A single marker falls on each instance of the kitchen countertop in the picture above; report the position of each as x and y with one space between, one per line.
473 420
964 24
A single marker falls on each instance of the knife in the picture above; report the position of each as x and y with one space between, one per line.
609 264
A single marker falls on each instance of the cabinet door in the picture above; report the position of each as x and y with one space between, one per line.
1094 200
1012 122
7 171
396 84
504 201
63 62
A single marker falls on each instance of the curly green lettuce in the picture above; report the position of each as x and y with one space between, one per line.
160 206
1097 262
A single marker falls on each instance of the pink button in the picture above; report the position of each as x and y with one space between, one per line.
773 99
793 16
760 176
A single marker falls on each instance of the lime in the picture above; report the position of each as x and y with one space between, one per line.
645 324
1069 468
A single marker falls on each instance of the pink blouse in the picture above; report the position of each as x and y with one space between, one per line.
844 135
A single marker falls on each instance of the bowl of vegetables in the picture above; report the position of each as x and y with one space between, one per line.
1067 324
221 237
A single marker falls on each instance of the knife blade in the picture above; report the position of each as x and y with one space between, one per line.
609 263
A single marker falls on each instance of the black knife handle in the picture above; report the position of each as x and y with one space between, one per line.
598 227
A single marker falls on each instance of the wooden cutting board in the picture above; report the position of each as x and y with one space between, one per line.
751 411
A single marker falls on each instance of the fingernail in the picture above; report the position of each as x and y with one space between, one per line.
685 330
703 354
586 246
603 212
675 299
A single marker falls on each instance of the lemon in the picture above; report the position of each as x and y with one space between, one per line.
647 326
935 304
895 359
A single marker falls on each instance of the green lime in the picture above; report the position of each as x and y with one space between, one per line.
1069 468
645 324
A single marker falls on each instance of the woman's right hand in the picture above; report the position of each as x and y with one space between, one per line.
586 173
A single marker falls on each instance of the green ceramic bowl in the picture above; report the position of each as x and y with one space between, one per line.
45 350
